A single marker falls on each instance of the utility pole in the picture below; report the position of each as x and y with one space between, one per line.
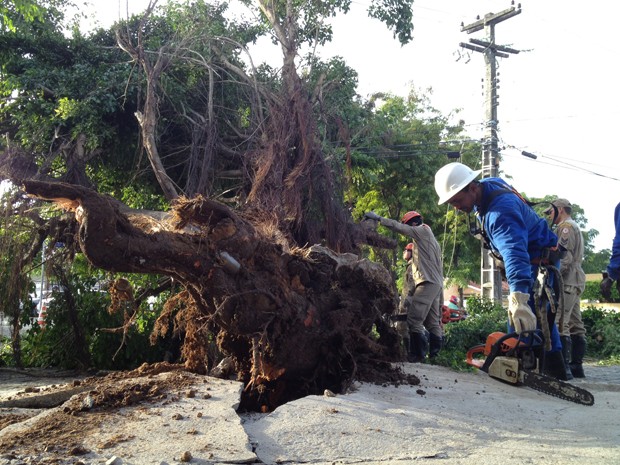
491 281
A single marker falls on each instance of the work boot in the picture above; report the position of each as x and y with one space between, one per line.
405 346
566 354
435 345
578 352
554 365
418 345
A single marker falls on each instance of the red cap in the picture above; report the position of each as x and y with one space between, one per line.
409 216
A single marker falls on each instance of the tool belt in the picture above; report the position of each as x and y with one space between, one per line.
550 255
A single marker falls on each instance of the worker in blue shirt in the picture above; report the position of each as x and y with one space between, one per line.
518 238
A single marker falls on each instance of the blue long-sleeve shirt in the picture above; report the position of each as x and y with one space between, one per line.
515 231
613 269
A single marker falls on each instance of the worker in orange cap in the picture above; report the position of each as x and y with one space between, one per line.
424 307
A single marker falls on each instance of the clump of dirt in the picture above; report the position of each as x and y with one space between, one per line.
58 432
384 373
61 430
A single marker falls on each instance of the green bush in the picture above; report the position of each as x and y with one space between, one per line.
6 352
483 318
602 332
592 292
106 346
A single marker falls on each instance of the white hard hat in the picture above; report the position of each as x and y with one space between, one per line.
451 179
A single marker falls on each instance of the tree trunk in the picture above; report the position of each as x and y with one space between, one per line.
295 322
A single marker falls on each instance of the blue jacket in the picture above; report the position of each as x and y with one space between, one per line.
515 231
613 269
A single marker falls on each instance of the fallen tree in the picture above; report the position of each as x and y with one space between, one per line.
294 318
293 321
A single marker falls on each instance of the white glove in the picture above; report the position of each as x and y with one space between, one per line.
520 313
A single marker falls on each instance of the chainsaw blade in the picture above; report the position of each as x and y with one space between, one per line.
556 388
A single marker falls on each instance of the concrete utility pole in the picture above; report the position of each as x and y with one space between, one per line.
491 281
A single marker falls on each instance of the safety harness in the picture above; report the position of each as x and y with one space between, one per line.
548 286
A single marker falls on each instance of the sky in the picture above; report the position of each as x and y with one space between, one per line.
558 97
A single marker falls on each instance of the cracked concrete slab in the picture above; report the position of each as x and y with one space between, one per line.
204 425
457 418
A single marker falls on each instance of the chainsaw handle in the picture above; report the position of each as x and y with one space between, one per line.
469 359
525 339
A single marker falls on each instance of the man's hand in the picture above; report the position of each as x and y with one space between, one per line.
372 216
520 313
606 284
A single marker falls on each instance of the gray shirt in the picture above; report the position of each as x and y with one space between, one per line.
426 262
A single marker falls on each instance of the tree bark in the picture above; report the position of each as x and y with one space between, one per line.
147 119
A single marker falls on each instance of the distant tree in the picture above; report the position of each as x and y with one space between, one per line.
596 262
19 248
394 159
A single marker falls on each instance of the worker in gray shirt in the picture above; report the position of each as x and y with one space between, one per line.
424 312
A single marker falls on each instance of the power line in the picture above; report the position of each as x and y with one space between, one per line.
557 162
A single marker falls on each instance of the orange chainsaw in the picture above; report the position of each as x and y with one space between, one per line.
514 358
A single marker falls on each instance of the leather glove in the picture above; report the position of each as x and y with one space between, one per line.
372 216
606 284
520 313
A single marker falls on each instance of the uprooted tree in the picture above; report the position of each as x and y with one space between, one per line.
294 318
293 321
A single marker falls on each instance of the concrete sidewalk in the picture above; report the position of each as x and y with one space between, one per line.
459 418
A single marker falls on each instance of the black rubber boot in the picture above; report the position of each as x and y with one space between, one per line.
566 354
405 346
435 345
418 345
554 365
577 354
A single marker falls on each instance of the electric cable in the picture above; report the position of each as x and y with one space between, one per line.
557 162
